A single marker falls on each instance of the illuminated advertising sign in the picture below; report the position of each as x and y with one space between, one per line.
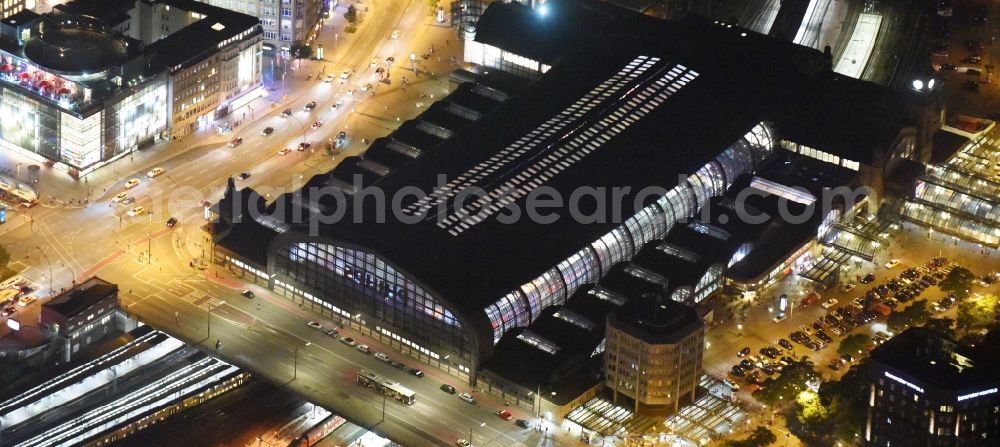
916 388
14 325
977 394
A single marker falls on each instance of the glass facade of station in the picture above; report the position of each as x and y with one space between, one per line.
358 281
522 306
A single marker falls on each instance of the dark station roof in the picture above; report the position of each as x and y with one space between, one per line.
86 294
742 79
923 356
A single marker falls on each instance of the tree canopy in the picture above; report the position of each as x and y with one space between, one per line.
853 345
761 437
958 281
788 384
978 311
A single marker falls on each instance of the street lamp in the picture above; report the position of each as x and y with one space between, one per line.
295 371
739 327
149 240
481 424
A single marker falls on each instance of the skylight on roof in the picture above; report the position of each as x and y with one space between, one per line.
575 319
218 26
607 295
538 341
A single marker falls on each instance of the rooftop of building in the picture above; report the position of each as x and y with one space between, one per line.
923 357
86 294
203 36
737 80
656 320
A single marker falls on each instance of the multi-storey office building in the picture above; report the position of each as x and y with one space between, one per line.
653 353
94 80
928 390
675 110
282 21
11 7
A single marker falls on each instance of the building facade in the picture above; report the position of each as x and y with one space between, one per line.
282 21
653 354
82 315
11 7
92 81
927 390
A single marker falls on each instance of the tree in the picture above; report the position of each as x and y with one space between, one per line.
761 437
853 345
836 412
942 325
301 50
978 311
958 281
4 256
788 384
351 15
914 315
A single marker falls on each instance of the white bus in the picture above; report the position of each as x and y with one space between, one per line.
386 387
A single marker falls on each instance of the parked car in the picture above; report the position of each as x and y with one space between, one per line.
830 303
382 356
415 372
315 325
468 398
249 294
348 341
892 263
154 172
785 344
743 352
447 388
171 222
267 131
235 142
522 424
363 348
868 279
732 385
848 287
505 415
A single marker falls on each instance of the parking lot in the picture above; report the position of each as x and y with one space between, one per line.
18 302
962 45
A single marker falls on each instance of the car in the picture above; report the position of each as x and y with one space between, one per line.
746 364
154 172
267 131
9 310
463 443
350 92
780 317
367 87
127 200
785 344
447 388
131 183
468 398
284 151
415 372
768 369
373 63
830 303
743 352
817 325
348 341
949 67
309 106
822 336
972 60
505 415
847 358
363 348
337 104
25 301
345 75
332 332
732 385
737 371
244 175
315 325
136 211
329 78
121 196
394 35
171 222
303 146
249 294
397 365
382 356
848 287
522 423
317 124
390 60
836 364
868 279
836 330
892 263
786 360
810 298
286 113
235 142
341 140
